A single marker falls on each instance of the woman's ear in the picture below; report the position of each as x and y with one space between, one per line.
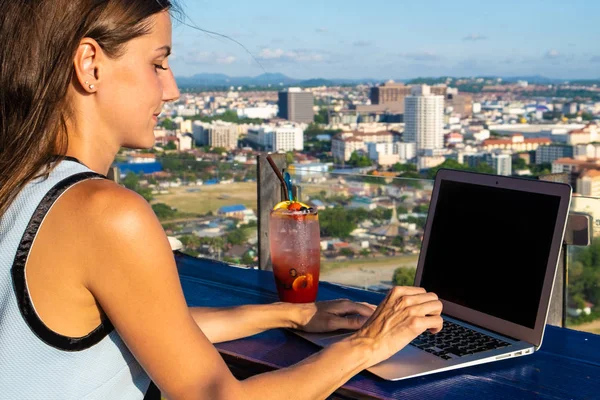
87 64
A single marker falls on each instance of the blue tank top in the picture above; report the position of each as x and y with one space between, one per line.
36 362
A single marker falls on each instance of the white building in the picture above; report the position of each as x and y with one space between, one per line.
261 136
405 151
427 162
424 119
587 134
502 163
141 158
346 143
186 141
481 135
216 134
383 153
266 112
186 110
588 183
308 170
585 151
287 137
186 126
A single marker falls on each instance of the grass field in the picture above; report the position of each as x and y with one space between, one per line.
207 199
406 260
592 327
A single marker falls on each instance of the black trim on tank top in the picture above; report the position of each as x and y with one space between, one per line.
24 301
153 393
69 158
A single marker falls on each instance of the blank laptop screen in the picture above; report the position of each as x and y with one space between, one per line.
489 248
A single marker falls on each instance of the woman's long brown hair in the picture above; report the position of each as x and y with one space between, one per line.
39 40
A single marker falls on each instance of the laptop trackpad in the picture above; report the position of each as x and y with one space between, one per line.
408 361
408 355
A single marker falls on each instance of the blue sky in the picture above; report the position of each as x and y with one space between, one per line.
391 39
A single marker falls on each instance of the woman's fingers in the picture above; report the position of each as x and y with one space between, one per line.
358 308
350 322
433 323
429 308
400 291
347 307
412 300
372 306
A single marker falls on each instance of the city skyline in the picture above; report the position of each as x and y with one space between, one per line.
389 40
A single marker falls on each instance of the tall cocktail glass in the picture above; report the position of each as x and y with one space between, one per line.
295 243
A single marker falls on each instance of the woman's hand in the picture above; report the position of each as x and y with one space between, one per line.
327 316
404 314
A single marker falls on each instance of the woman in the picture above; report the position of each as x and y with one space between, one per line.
90 301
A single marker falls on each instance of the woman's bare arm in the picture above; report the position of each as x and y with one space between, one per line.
131 271
221 324
230 323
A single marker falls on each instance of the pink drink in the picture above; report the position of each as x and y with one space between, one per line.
295 253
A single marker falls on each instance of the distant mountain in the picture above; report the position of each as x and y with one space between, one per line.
535 79
278 79
209 80
266 79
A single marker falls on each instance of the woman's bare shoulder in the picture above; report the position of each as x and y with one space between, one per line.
106 203
108 221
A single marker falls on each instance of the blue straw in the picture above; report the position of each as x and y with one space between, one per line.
288 182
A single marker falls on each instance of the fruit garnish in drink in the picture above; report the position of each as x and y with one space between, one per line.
291 206
303 282
294 206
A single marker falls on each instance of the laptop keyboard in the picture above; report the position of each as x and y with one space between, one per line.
456 341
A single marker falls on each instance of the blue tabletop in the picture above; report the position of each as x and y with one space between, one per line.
566 367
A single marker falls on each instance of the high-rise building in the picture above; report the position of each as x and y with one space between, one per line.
424 119
393 96
459 103
389 92
296 105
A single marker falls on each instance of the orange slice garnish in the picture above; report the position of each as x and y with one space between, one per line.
287 204
303 282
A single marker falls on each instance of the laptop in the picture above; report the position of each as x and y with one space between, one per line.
490 251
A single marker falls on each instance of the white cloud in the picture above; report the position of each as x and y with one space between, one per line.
290 55
553 53
208 58
271 54
321 30
226 60
475 37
